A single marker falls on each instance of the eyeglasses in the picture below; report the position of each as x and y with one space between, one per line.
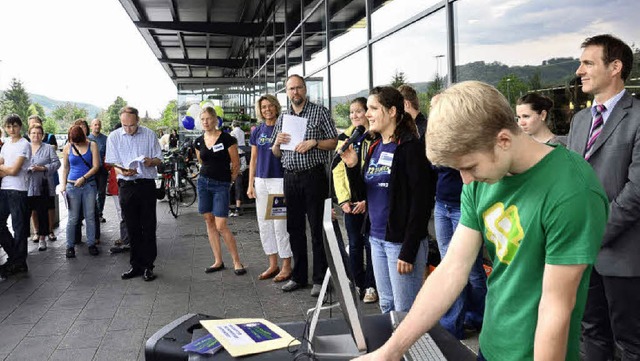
295 88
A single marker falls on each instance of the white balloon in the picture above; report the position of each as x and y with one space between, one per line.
207 104
198 123
194 110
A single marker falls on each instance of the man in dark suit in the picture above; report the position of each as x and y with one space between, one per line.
607 135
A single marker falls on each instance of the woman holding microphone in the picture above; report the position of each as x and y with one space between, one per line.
400 187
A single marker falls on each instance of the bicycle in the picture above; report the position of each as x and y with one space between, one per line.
189 154
179 189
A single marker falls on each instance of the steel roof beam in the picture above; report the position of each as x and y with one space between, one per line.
220 28
218 63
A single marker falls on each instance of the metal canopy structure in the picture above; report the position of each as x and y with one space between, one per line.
225 43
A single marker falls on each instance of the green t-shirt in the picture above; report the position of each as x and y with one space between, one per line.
554 213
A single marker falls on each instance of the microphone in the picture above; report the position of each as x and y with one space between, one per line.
357 133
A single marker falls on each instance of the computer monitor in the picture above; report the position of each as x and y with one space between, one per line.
338 346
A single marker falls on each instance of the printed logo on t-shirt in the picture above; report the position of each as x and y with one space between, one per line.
264 139
376 169
504 230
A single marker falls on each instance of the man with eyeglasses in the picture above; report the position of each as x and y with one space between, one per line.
137 188
306 183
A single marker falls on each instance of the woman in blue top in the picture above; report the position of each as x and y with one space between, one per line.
81 161
218 153
266 177
400 186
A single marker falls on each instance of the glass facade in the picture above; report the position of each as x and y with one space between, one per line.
343 47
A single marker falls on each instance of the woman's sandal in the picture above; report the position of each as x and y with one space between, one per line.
52 237
266 275
282 278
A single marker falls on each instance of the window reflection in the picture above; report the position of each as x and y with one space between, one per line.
535 46
347 26
349 80
392 12
315 43
415 55
317 88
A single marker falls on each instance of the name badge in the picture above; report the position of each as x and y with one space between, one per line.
386 159
217 147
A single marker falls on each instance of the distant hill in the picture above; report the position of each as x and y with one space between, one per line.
50 104
552 72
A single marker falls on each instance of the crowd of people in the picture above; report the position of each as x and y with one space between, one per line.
557 217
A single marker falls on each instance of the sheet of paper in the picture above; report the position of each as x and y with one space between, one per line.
137 164
246 336
296 127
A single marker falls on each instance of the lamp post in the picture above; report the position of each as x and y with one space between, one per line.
438 57
509 90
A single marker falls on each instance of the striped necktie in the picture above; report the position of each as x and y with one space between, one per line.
596 129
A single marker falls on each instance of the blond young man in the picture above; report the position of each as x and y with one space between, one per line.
542 235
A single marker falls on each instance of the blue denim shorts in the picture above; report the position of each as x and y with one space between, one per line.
213 196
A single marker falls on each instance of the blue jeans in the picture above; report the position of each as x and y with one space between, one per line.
14 203
213 196
359 248
468 308
82 199
396 292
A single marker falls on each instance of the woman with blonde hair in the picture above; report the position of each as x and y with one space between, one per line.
266 177
44 163
217 152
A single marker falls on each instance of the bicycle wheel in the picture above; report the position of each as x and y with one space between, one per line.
172 195
187 192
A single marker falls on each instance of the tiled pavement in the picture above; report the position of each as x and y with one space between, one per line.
80 309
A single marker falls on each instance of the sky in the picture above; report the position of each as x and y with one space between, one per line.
80 50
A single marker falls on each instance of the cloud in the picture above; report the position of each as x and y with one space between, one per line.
492 22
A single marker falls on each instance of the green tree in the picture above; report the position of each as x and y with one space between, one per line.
341 115
37 109
398 79
50 126
169 117
112 116
535 81
66 114
15 100
512 87
434 88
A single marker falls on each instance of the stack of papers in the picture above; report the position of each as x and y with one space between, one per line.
136 164
246 336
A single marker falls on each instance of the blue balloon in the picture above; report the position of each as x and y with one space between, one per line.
188 122
219 122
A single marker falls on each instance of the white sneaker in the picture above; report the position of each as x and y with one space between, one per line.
42 246
370 295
